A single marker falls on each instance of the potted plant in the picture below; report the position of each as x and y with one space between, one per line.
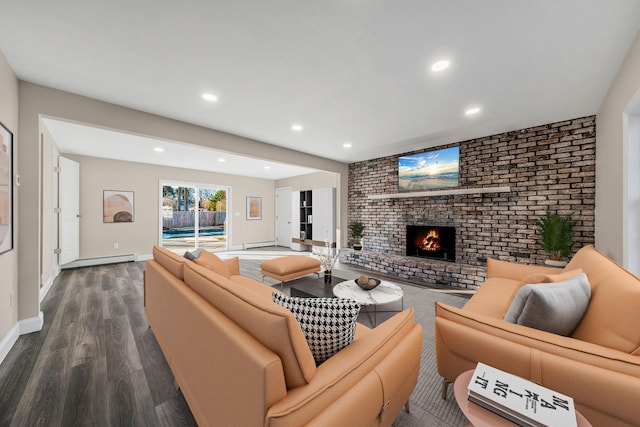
357 228
557 237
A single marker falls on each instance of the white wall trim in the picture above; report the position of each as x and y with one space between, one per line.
8 341
44 290
144 257
87 262
33 324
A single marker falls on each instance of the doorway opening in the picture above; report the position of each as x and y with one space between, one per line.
632 211
193 216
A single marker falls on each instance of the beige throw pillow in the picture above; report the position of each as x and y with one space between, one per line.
552 278
213 263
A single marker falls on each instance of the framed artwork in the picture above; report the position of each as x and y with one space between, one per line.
430 170
6 189
254 207
117 206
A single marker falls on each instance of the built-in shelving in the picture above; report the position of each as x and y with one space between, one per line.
448 192
313 218
306 215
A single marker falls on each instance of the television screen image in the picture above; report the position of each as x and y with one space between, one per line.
430 170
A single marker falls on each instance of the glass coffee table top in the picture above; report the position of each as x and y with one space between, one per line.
313 287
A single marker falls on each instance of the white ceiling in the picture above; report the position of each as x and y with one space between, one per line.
73 138
352 71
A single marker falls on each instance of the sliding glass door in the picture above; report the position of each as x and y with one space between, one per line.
193 216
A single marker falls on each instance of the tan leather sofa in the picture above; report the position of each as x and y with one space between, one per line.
598 364
242 360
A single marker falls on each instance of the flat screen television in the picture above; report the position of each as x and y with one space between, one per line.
430 170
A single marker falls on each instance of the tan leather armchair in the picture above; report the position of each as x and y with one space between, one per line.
598 364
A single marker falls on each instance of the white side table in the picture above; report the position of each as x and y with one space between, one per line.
384 293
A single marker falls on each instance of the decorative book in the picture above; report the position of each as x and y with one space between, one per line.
519 400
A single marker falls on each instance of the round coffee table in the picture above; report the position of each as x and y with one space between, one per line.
481 417
384 293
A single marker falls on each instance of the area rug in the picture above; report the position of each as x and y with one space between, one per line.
427 406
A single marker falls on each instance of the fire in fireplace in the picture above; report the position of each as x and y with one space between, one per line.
431 242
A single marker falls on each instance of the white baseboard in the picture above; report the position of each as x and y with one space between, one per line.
46 287
33 324
144 257
87 262
25 326
8 341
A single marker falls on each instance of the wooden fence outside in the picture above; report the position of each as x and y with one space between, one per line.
182 219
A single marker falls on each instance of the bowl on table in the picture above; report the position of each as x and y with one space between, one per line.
367 283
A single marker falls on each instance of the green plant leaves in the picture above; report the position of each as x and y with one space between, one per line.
557 234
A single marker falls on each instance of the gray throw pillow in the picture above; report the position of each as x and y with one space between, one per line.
552 307
191 256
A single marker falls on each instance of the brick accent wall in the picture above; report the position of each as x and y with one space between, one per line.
548 167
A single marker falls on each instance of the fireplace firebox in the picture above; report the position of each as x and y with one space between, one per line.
430 241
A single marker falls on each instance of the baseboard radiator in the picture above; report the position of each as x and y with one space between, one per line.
246 246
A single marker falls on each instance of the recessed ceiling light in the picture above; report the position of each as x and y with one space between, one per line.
347 145
440 65
222 160
296 127
267 167
158 149
209 97
472 111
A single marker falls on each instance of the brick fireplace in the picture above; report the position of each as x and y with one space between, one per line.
547 167
431 241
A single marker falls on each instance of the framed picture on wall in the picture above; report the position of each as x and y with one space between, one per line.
117 206
6 189
254 207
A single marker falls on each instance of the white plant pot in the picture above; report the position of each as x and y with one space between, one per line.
554 263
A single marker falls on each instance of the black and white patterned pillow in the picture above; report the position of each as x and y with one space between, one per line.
328 324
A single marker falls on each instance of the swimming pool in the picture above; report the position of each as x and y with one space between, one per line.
190 232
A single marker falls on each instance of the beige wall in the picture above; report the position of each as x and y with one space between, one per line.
610 235
96 175
36 101
9 260
310 181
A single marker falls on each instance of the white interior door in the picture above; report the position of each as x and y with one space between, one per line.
69 193
283 217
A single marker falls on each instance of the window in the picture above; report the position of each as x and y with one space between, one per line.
193 216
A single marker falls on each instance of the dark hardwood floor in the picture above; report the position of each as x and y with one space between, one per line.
95 362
